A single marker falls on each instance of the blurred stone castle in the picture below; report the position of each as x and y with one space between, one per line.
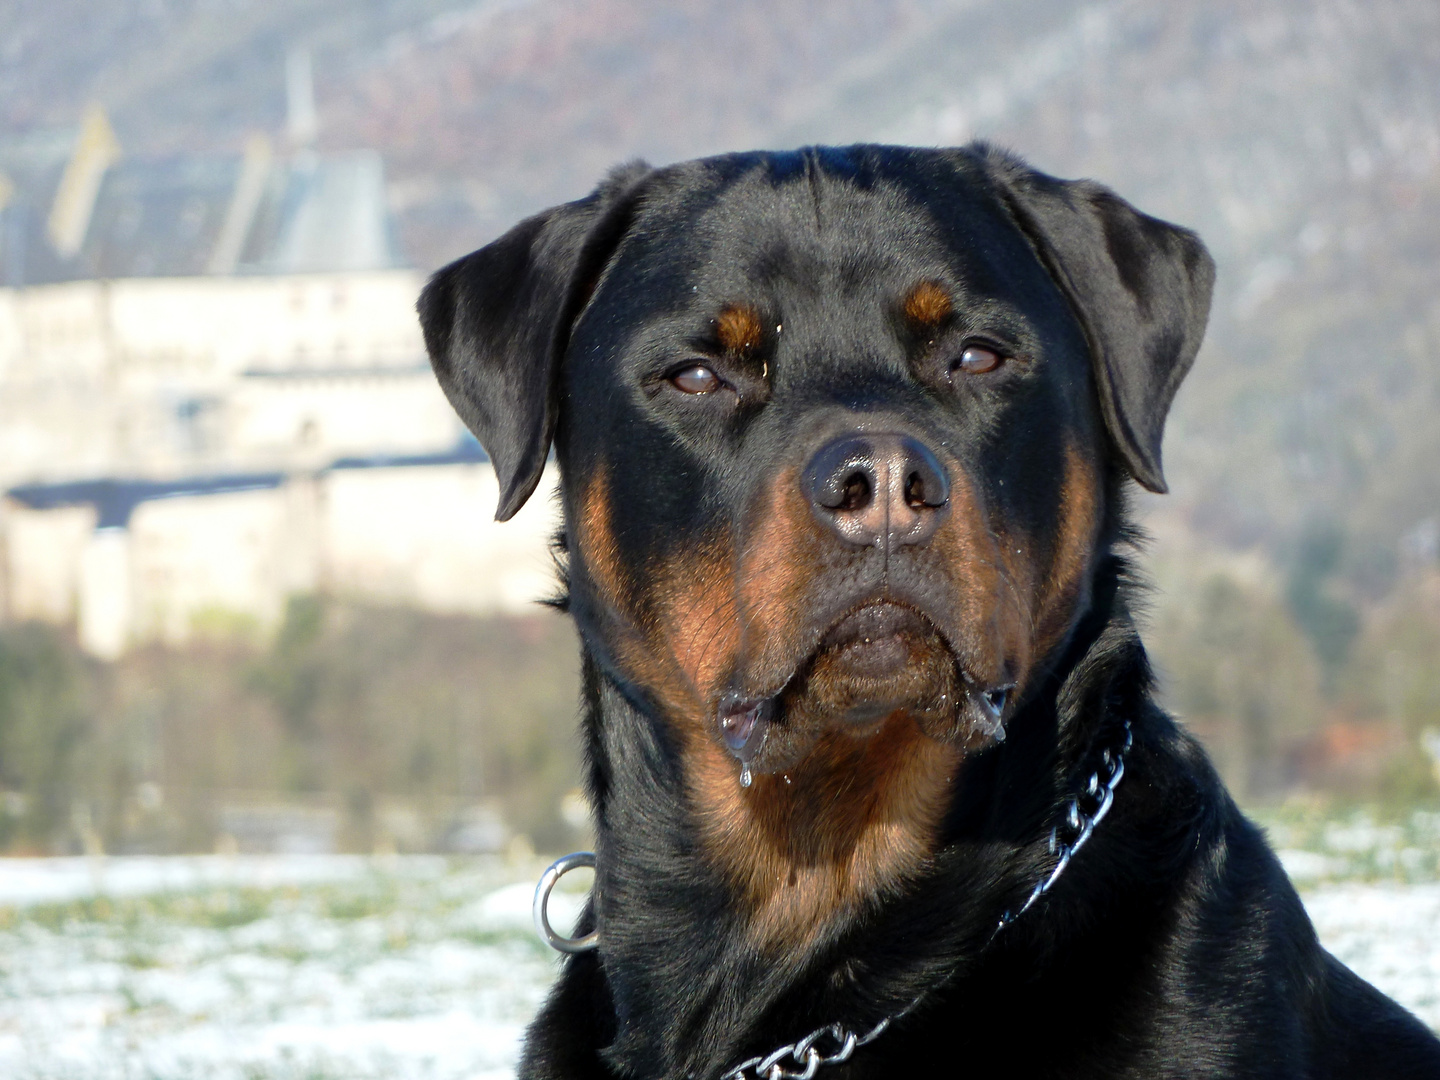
213 394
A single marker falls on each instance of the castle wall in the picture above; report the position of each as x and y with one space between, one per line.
162 377
318 381
227 562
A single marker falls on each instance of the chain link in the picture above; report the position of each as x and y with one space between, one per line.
1078 823
1067 838
807 1055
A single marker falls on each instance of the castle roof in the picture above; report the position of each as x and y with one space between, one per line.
186 215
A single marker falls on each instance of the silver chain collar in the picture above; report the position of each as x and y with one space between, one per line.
834 1043
802 1060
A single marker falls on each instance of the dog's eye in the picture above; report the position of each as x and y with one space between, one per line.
976 360
697 379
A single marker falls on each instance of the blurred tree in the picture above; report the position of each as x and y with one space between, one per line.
291 675
1311 590
1237 668
389 702
45 700
1396 673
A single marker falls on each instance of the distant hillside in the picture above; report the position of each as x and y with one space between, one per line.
1302 139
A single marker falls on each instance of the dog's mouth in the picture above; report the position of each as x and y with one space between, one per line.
878 660
877 641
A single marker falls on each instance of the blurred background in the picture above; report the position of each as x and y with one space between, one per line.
251 599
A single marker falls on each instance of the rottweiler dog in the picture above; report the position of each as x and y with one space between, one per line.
880 788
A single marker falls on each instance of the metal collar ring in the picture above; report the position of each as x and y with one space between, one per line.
556 870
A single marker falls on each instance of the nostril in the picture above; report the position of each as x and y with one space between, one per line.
841 476
855 492
915 490
926 485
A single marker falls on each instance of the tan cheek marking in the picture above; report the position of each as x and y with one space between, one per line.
738 328
1015 552
596 545
927 305
699 615
995 585
1076 536
644 659
773 576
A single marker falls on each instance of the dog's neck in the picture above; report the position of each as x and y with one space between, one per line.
687 978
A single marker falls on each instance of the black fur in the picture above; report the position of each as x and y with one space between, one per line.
1173 946
1140 288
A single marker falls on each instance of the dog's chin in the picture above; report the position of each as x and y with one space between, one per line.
881 660
876 661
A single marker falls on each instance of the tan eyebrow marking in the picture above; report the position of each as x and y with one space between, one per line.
928 304
738 328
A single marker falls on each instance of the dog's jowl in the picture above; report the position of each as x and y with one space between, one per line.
880 789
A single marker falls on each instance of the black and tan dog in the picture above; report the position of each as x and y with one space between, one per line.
845 436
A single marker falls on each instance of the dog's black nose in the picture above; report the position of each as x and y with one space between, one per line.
878 489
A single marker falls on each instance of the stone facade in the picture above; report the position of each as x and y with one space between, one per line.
181 455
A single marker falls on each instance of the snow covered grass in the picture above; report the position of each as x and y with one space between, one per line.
1372 888
1319 846
262 969
420 968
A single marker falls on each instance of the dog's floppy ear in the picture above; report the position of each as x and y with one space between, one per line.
1139 286
497 321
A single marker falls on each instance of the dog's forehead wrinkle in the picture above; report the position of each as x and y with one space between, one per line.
758 217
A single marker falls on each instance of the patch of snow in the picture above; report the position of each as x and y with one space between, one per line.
512 908
1386 934
378 972
58 880
401 969
1306 866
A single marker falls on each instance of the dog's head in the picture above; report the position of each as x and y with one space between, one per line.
835 428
